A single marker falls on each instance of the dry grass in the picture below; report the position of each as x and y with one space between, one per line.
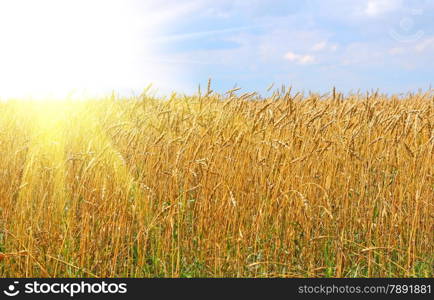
218 186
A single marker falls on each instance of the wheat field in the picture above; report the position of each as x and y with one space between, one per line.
218 185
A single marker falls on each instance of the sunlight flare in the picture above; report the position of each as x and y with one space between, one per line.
58 48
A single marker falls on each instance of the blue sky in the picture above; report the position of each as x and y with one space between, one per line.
312 45
125 45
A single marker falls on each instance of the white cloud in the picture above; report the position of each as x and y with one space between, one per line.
324 46
300 58
306 59
207 33
319 46
397 51
378 7
334 47
425 44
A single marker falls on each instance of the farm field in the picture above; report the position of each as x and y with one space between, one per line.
218 186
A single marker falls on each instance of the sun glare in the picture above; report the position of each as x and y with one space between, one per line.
55 48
